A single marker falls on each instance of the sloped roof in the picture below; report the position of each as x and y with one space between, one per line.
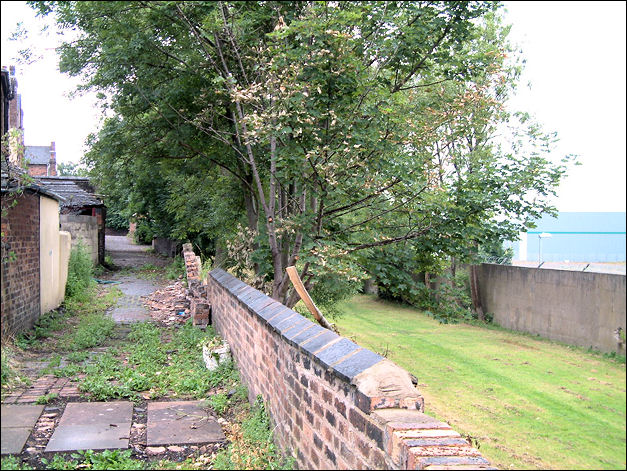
38 155
14 179
76 191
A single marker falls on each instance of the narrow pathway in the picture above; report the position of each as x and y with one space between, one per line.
126 254
170 429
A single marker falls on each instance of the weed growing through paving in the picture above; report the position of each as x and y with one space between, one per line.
251 444
149 364
46 398
13 463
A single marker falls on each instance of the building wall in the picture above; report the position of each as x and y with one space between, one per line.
577 308
20 273
85 229
35 170
334 404
54 256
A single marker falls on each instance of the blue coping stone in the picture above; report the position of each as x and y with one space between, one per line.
237 292
452 460
280 318
335 352
219 274
251 296
236 288
271 310
318 342
229 284
287 322
299 324
259 302
355 364
307 334
243 292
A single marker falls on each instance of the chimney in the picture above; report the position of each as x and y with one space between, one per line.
52 167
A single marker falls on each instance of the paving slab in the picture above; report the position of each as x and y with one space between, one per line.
181 422
17 423
93 426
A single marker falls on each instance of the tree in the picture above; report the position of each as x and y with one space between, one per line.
337 127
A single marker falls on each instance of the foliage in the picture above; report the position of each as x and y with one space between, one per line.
92 330
46 325
80 271
72 169
7 373
46 398
324 129
251 444
176 269
13 463
156 366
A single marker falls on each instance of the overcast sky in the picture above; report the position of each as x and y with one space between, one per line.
575 56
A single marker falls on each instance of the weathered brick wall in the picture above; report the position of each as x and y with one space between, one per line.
36 170
334 404
20 274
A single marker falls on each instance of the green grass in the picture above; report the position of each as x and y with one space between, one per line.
530 403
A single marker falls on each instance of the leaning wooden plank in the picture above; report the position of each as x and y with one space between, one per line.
304 295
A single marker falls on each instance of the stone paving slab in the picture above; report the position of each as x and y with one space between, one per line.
16 425
93 426
181 422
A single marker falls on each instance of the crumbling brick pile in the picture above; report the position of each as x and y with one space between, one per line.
200 309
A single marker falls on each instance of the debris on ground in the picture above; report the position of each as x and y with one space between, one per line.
170 305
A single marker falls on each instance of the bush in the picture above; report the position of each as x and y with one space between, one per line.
80 271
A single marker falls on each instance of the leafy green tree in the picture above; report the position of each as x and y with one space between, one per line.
327 130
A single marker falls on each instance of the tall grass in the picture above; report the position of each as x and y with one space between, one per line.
80 271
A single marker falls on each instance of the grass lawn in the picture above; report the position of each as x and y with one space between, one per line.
529 402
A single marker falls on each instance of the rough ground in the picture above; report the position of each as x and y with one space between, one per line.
143 299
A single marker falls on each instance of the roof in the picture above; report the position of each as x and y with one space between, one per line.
38 155
582 222
76 191
14 179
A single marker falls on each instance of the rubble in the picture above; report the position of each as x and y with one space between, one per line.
169 306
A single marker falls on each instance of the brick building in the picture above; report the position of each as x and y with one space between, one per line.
41 161
35 254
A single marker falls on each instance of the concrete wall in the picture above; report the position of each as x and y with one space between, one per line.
83 228
577 308
20 307
334 404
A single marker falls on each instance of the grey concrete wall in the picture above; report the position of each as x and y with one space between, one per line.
577 308
83 228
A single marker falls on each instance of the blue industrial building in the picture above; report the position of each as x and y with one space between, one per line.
575 237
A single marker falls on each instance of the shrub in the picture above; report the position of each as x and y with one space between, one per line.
80 271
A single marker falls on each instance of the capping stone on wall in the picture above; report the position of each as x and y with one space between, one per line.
335 405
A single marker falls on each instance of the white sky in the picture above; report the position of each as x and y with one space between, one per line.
575 55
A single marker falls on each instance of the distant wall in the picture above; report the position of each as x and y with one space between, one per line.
333 404
83 228
577 308
20 307
166 247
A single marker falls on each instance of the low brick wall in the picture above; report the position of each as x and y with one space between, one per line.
334 404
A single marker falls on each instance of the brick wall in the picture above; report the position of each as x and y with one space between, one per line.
20 276
36 170
334 404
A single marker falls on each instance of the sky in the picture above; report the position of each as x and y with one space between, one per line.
575 63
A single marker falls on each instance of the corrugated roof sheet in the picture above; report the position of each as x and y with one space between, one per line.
39 155
76 191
